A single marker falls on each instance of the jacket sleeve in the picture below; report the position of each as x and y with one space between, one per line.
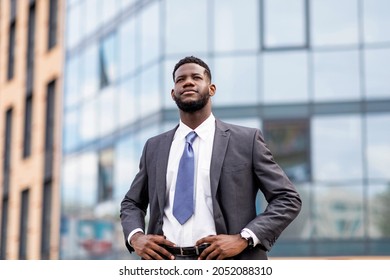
134 204
284 203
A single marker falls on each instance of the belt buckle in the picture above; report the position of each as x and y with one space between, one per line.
197 250
181 251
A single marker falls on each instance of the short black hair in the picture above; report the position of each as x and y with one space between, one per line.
192 59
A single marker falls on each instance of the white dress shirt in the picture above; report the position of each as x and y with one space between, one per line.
201 224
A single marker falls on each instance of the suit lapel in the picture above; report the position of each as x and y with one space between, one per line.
221 140
162 165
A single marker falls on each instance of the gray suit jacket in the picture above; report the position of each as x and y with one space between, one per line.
241 164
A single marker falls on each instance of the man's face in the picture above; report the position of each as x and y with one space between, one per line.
192 88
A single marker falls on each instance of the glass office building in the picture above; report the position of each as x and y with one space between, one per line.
312 74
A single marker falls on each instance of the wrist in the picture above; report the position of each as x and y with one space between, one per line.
135 236
248 240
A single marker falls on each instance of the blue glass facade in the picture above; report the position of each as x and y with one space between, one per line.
311 74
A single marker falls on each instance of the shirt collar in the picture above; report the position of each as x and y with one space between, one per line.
204 130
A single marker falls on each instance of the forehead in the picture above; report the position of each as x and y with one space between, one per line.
189 69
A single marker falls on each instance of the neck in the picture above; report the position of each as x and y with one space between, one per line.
194 119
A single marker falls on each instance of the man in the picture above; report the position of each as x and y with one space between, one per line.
209 212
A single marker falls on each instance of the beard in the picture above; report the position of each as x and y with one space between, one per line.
192 106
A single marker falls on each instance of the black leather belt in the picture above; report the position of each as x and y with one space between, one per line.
187 251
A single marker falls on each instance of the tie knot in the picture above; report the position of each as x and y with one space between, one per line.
191 137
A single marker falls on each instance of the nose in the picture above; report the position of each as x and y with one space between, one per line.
188 82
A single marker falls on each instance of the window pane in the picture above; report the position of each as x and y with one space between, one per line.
91 17
336 75
231 18
108 9
378 146
338 212
128 45
236 77
336 148
150 42
284 23
377 63
186 32
285 77
71 135
127 103
149 99
289 142
90 79
376 21
108 60
72 81
126 166
88 121
108 117
88 182
70 186
378 210
74 29
334 22
106 175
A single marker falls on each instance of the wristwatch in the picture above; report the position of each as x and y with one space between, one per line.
249 239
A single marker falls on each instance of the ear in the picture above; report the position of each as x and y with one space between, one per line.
172 94
212 89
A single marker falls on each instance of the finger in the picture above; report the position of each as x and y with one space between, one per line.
166 253
206 252
207 239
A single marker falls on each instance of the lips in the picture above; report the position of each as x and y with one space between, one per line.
188 92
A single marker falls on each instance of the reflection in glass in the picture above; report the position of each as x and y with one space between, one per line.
108 62
289 143
106 175
336 148
377 63
336 75
70 186
236 80
230 20
376 21
378 146
285 77
186 32
334 22
379 209
284 23
338 211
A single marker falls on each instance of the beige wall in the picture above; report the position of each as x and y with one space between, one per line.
28 173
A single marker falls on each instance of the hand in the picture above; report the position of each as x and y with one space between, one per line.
222 246
147 246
